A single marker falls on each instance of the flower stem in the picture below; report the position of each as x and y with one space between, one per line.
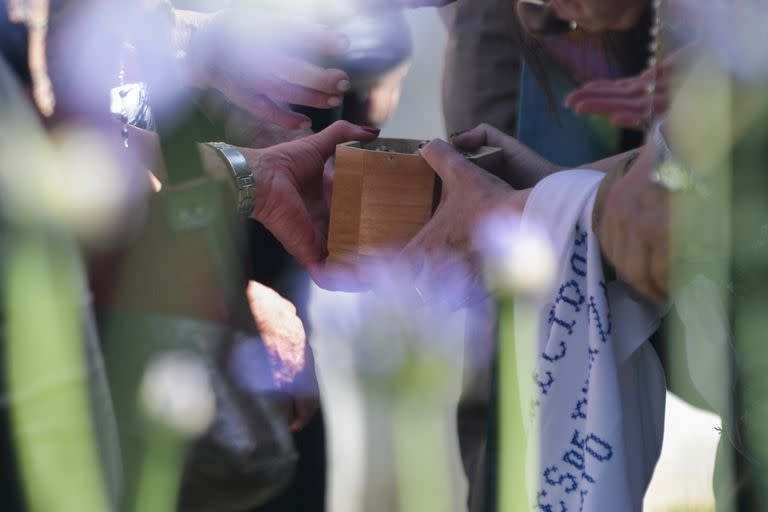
421 448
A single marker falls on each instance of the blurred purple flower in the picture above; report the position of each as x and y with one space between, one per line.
517 257
399 334
733 31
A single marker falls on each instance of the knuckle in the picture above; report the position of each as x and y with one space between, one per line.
341 128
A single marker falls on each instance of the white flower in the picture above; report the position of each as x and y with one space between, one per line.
176 392
517 257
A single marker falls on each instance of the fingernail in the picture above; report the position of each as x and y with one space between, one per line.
343 85
305 125
334 101
371 130
456 134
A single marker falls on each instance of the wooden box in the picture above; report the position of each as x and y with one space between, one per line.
383 194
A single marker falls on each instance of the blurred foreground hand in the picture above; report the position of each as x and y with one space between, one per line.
262 61
445 244
290 357
626 102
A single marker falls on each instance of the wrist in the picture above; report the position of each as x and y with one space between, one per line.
528 168
519 199
610 178
506 200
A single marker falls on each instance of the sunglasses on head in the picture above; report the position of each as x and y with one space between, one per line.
538 19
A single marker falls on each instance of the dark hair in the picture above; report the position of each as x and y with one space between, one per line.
13 45
628 49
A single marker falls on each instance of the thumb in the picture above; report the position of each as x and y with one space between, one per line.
325 142
445 161
482 135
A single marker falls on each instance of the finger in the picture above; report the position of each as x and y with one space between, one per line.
627 88
424 3
285 92
325 142
604 106
611 106
265 109
612 90
446 162
303 73
482 135
630 121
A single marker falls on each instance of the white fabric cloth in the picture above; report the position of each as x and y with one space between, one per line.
600 394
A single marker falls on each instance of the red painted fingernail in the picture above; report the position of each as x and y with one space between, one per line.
371 129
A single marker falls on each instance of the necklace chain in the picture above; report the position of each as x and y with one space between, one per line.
123 92
653 51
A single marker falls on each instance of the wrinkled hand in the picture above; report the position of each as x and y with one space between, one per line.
396 4
290 357
388 5
290 197
634 229
521 167
261 62
424 3
626 102
443 248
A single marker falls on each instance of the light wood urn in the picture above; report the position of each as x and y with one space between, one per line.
384 192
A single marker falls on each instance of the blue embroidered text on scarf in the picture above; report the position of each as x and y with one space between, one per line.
599 394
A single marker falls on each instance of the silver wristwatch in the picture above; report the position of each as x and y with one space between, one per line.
669 172
244 182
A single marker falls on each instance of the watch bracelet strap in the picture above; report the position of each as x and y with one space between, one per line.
687 180
241 174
